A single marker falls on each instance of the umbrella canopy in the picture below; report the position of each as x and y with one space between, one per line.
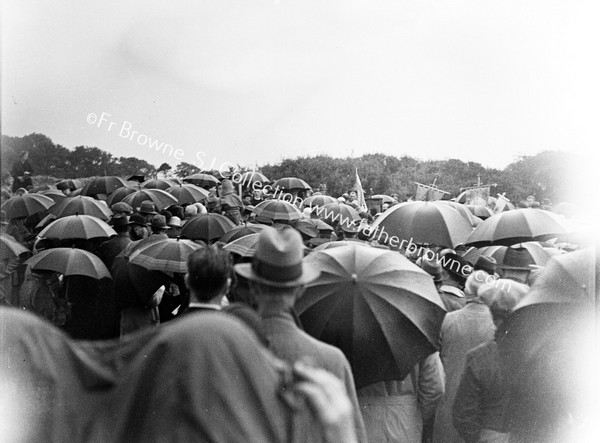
538 255
241 231
482 212
103 185
338 212
140 178
69 261
188 193
81 205
249 178
77 227
384 198
160 198
169 255
318 200
380 309
462 210
518 226
158 183
291 183
244 246
206 227
423 223
69 184
25 205
277 210
44 187
54 194
543 345
10 248
203 180
121 193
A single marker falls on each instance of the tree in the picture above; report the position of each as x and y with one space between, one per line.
164 168
185 169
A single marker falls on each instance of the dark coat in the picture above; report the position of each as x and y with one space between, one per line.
18 170
112 247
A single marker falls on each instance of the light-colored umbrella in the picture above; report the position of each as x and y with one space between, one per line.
81 205
188 193
318 200
169 255
244 246
277 210
291 184
25 205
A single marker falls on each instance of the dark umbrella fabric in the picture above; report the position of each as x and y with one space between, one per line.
243 246
69 261
188 193
338 213
103 185
202 180
10 248
241 231
121 193
206 227
25 205
380 309
518 226
77 227
252 179
291 184
54 194
81 205
318 200
160 198
158 183
277 210
169 255
538 256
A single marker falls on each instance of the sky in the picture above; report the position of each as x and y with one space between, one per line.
254 82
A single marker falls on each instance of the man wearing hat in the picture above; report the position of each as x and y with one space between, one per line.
174 224
433 268
457 269
121 208
147 210
277 276
109 249
517 265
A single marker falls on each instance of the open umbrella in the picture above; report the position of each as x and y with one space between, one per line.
103 185
384 198
318 200
188 193
250 178
158 183
543 346
70 184
81 205
380 309
169 255
462 210
291 184
77 227
338 213
244 246
160 198
241 231
121 193
206 227
10 248
538 255
69 261
25 205
44 187
423 223
202 180
54 194
518 226
482 212
277 210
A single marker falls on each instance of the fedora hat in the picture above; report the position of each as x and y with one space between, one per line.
159 222
147 207
517 259
174 222
485 263
456 265
277 260
137 219
119 221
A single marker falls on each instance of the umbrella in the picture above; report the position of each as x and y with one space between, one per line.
44 187
25 205
103 185
482 212
249 178
339 243
277 210
518 226
543 345
188 193
384 198
160 198
244 246
538 255
318 200
121 193
54 194
336 212
169 255
140 178
381 310
241 231
81 205
10 248
291 183
203 180
462 210
422 223
69 261
206 227
69 184
158 183
77 227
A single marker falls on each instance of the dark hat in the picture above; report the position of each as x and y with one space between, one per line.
433 268
485 263
119 221
147 207
277 260
159 222
517 259
456 265
122 207
137 219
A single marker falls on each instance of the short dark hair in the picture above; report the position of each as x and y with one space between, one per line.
208 270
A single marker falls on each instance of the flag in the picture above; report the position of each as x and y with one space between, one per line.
500 203
360 193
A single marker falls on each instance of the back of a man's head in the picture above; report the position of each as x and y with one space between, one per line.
209 269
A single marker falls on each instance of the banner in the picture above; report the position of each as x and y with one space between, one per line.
478 196
360 193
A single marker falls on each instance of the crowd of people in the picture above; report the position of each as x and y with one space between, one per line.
459 393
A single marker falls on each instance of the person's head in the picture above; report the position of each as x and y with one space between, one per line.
209 274
120 223
277 274
501 297
7 179
385 207
147 209
139 227
121 208
23 156
158 224
517 264
353 195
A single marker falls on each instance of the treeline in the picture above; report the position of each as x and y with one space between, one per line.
544 175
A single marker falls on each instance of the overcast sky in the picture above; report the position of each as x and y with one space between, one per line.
259 81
